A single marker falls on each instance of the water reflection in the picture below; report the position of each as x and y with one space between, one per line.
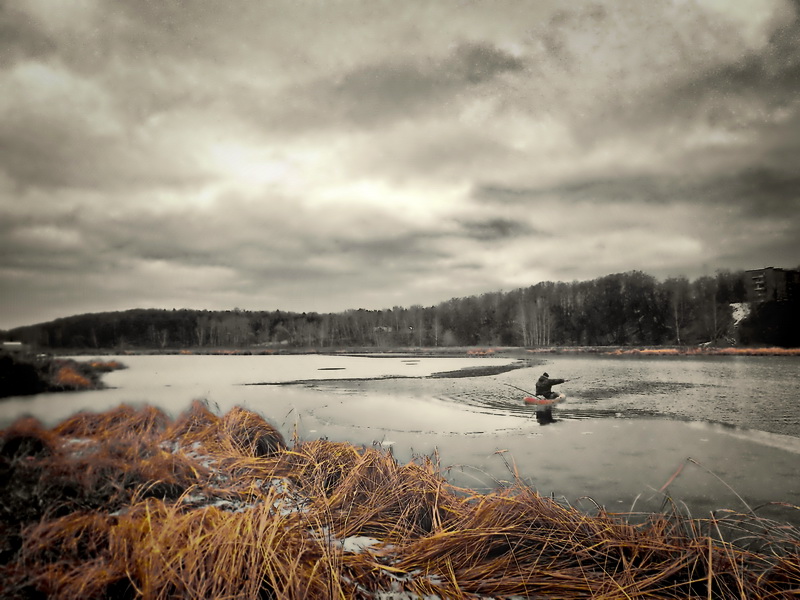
544 416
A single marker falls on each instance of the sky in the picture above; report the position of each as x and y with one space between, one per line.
322 156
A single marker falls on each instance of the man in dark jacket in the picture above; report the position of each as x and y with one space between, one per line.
544 386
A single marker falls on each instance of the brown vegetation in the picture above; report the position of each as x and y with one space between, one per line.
129 504
706 351
29 374
68 378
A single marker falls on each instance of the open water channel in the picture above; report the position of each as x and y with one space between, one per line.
730 424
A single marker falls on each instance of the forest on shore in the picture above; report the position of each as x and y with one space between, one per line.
623 309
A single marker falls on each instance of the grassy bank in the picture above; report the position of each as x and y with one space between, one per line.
130 504
26 374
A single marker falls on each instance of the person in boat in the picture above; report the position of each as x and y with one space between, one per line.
544 386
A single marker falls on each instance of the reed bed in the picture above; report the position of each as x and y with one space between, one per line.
130 504
706 351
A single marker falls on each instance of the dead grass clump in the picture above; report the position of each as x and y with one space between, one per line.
378 496
75 537
518 543
118 471
317 467
26 439
70 557
106 366
123 421
67 378
196 425
782 580
211 553
250 434
168 475
90 461
23 448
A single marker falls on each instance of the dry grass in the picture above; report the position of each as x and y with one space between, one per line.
706 351
127 504
124 421
105 366
68 378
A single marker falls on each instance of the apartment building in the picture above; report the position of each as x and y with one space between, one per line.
772 283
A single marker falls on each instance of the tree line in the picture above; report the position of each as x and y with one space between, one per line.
631 308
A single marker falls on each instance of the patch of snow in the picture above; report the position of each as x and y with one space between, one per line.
357 543
741 310
191 499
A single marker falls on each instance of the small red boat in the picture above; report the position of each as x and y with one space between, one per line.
542 401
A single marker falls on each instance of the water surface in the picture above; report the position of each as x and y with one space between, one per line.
628 425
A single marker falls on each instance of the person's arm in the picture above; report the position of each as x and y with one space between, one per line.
556 381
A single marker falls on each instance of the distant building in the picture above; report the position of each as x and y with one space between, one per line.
772 283
14 347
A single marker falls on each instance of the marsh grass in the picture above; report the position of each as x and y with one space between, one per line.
129 504
25 374
707 351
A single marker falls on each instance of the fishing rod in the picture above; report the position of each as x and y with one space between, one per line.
520 389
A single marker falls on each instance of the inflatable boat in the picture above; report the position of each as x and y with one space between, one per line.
542 401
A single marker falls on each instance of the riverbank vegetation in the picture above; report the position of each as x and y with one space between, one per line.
25 374
625 309
130 504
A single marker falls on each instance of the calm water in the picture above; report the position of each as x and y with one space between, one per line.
628 425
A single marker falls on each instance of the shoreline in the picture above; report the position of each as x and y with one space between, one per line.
440 351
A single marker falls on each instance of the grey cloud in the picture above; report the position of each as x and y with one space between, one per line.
495 193
401 88
476 63
737 93
377 92
20 38
272 242
497 228
62 155
383 249
770 76
556 35
632 188
757 190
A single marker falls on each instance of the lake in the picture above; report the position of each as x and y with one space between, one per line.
629 423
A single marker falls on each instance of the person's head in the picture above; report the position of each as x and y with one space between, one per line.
545 375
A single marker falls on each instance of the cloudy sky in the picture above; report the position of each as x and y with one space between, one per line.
319 156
